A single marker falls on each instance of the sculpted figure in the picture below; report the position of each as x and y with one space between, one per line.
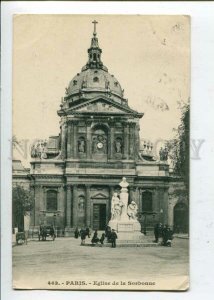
115 207
163 153
81 146
43 153
132 211
33 151
118 146
124 184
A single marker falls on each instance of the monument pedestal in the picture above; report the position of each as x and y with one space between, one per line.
124 217
127 230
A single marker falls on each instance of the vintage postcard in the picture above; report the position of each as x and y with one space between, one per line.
101 152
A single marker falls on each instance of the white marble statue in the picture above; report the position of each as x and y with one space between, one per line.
124 199
132 210
124 184
116 206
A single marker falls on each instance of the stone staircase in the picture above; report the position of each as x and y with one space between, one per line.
145 241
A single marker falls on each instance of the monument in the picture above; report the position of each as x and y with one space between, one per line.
124 215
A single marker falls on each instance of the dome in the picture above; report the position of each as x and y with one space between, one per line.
94 80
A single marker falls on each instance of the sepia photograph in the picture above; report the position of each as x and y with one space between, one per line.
100 152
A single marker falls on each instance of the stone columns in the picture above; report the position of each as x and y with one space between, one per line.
165 205
111 192
140 199
88 207
137 139
111 154
75 139
68 206
131 194
75 206
37 208
63 140
156 204
126 140
88 137
32 192
69 141
132 139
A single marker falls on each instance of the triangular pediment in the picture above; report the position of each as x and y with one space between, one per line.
99 196
101 105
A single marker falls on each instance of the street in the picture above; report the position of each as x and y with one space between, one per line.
58 264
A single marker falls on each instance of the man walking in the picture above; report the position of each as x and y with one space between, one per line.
157 232
113 238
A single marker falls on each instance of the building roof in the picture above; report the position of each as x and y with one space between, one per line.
93 79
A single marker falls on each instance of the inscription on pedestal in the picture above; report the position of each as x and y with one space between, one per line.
125 227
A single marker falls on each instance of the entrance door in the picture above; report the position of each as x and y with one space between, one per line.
180 218
99 216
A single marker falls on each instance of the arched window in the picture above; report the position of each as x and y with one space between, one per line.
147 201
94 56
51 203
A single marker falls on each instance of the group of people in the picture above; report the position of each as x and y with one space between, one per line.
164 232
83 233
110 235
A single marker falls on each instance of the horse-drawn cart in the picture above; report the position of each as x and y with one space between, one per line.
46 232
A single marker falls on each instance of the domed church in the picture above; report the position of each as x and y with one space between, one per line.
74 175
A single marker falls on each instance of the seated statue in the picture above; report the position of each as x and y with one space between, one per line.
132 211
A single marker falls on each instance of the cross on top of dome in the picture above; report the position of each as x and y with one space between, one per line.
95 23
94 53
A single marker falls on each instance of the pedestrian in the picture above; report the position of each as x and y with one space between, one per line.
108 233
83 236
95 238
113 238
167 236
87 231
157 232
76 233
102 238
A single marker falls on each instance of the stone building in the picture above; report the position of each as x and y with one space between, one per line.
74 174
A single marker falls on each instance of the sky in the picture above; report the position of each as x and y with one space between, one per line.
149 55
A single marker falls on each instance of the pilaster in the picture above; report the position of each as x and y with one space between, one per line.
126 141
88 207
68 206
75 206
75 138
88 137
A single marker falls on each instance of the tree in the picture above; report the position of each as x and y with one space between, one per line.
179 147
22 204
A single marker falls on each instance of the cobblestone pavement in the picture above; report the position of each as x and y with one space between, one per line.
64 261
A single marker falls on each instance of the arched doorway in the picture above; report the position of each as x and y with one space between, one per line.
181 218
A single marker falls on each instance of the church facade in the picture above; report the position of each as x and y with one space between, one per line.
73 175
